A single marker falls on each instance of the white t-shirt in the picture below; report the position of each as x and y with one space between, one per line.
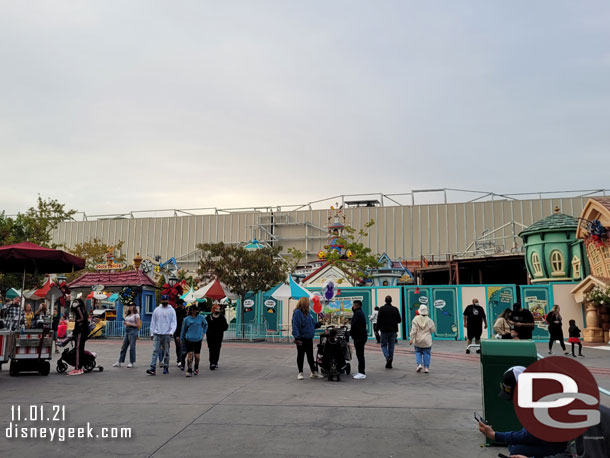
131 319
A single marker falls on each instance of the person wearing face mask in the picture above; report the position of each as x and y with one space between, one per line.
217 325
474 318
194 327
80 334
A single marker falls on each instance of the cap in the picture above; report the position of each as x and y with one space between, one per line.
509 382
165 297
423 309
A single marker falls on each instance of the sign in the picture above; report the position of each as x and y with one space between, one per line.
440 304
110 266
557 399
423 300
98 288
270 303
248 303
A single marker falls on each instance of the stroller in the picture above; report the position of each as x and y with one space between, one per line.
334 355
68 357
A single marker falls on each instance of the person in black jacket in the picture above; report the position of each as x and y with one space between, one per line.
359 335
387 322
217 325
80 333
180 315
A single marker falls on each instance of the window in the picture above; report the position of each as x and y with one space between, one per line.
599 271
576 267
593 254
536 266
605 251
148 302
556 263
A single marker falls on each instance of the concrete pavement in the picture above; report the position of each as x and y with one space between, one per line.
254 406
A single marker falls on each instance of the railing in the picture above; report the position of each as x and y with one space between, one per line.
247 331
117 329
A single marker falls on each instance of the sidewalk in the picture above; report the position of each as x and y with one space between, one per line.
254 406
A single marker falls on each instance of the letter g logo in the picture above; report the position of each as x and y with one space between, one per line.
557 399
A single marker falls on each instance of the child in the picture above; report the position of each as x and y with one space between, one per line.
62 328
574 338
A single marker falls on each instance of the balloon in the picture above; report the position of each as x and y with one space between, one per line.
329 290
317 306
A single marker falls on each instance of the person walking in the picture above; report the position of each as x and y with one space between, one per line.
574 333
553 319
359 335
131 323
180 315
217 325
194 326
502 325
474 319
373 320
303 331
422 328
80 334
162 327
388 319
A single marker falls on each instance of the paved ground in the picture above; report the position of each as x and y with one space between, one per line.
253 406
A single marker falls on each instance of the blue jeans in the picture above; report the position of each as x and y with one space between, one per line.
422 353
388 340
161 350
131 334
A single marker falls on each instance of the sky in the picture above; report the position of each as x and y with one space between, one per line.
131 105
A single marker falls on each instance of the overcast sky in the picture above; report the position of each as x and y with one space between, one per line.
112 106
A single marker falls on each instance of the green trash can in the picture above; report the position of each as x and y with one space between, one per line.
497 356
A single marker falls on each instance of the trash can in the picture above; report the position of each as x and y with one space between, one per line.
496 357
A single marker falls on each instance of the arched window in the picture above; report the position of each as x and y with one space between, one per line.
536 266
593 254
556 263
576 267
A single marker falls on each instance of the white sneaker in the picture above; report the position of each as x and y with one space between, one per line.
359 376
300 376
426 370
315 375
130 365
117 364
178 364
419 368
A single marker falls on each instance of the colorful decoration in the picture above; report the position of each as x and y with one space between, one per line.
128 296
173 292
65 291
321 255
598 233
329 290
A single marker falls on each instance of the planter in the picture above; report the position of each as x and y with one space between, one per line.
593 333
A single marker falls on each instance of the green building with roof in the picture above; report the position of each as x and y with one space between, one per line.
552 251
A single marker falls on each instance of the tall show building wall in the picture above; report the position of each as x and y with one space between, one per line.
406 232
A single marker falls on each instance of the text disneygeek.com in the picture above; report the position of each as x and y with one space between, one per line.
21 427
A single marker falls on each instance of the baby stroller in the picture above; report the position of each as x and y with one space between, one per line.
334 354
68 357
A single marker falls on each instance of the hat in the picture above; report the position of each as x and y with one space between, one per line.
423 309
165 297
509 382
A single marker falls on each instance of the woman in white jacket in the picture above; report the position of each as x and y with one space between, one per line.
422 328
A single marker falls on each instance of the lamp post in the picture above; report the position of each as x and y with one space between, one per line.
172 281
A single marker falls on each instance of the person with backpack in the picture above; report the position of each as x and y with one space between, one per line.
388 319
131 322
194 326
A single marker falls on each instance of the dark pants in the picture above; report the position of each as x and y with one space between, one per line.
359 346
306 348
556 334
180 353
214 344
80 350
579 349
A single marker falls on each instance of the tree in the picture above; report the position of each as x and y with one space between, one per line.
359 260
294 258
36 226
94 252
242 270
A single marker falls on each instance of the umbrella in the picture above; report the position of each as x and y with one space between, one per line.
290 290
214 290
188 296
42 292
13 293
29 257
